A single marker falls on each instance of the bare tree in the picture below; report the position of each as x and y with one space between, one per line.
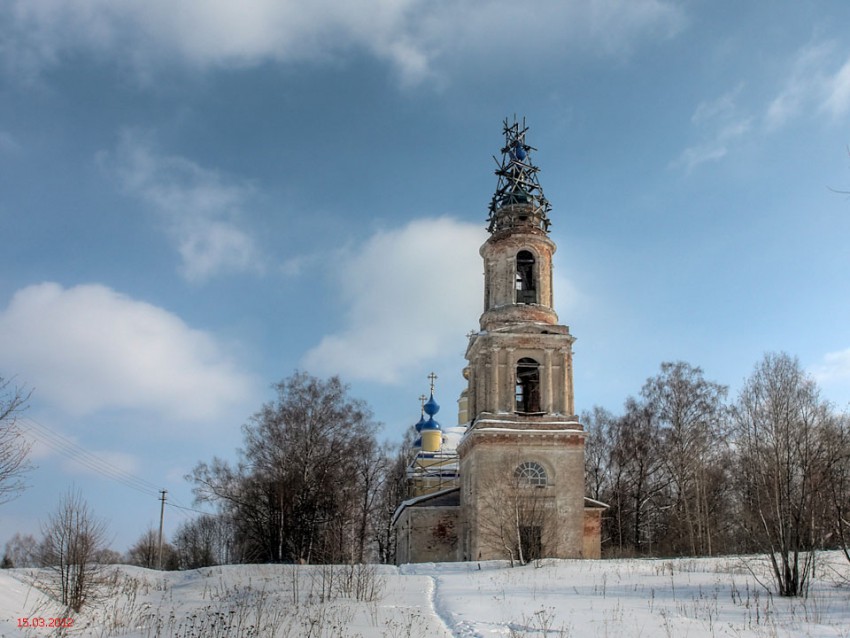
108 556
21 551
782 428
837 480
599 424
204 541
371 472
296 494
639 481
517 515
72 540
14 447
691 416
145 552
393 490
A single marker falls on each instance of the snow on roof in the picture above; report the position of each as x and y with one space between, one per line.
451 438
418 499
535 422
526 430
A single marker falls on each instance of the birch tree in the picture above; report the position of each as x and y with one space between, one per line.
691 417
72 539
781 434
517 513
14 446
297 492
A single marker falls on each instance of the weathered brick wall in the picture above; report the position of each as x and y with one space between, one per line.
492 370
592 541
428 535
490 457
499 254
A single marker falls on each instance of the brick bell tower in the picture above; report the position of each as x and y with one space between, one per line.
522 458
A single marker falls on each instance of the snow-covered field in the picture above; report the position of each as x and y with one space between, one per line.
555 598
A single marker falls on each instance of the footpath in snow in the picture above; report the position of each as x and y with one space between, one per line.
697 598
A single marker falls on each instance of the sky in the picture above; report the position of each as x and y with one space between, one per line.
197 200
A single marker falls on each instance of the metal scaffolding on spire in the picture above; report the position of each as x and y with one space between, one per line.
519 199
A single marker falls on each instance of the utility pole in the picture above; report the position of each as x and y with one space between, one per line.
161 518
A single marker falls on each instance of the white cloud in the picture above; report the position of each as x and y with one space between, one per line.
210 247
802 85
202 208
567 296
502 27
693 156
720 124
837 100
720 108
89 348
410 294
812 85
102 462
411 35
835 367
833 376
8 143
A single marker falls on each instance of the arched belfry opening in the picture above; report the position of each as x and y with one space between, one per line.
527 386
526 284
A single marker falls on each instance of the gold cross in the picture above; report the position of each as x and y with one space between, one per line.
433 377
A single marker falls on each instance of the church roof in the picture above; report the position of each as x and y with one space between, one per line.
435 499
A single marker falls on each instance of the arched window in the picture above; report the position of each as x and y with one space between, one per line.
526 286
531 473
527 385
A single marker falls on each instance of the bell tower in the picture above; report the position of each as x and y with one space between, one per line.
523 435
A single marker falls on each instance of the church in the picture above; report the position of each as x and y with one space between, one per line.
508 481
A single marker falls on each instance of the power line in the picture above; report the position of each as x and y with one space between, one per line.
88 459
189 509
77 453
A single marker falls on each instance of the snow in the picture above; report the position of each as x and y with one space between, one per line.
558 431
451 438
697 598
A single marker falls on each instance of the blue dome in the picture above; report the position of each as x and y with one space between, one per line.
431 424
432 407
417 444
518 151
420 423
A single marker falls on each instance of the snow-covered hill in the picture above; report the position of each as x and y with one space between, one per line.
555 598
